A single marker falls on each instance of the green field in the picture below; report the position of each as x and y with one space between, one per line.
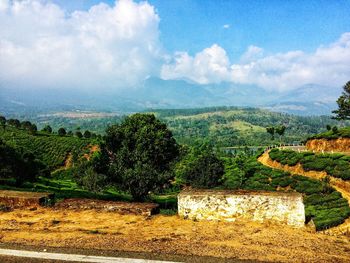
51 149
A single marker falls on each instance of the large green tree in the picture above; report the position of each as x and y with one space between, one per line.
141 153
18 165
343 111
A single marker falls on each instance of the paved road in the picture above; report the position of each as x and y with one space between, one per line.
71 257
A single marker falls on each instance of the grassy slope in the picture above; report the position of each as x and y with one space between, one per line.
50 148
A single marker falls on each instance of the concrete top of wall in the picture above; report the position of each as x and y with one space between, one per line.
205 192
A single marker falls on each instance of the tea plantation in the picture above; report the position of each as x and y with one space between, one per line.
336 165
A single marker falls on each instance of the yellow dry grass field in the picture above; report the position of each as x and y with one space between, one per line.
91 229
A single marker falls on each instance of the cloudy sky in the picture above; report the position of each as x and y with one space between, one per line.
88 44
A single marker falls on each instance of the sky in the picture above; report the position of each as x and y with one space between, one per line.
88 44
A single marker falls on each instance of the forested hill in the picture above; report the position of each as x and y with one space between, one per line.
223 126
234 126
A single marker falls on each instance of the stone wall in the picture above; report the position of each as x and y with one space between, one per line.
17 199
282 207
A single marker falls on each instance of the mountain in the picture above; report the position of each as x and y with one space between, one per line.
309 99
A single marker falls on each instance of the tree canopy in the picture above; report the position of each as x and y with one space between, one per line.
343 111
141 152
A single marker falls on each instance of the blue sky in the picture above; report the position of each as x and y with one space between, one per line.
89 44
275 25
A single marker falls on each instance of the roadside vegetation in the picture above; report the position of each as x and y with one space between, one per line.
333 133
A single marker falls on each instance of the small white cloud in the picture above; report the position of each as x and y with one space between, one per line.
226 26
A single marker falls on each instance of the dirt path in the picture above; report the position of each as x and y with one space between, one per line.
341 186
169 235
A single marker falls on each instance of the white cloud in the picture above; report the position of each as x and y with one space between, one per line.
104 47
327 65
208 66
226 26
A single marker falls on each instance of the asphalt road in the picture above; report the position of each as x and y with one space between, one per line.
72 257
13 253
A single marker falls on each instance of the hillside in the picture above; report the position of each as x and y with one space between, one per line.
234 126
51 149
222 126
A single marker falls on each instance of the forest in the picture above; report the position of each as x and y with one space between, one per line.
220 126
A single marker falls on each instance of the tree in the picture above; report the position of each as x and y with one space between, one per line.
271 130
2 122
343 111
280 130
201 168
141 151
26 125
21 166
61 132
78 134
328 127
87 134
47 129
14 123
33 129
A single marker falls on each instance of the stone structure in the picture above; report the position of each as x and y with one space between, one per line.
283 207
17 199
145 209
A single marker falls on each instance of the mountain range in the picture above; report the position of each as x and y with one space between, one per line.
309 99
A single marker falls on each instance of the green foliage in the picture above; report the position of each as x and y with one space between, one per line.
141 151
2 122
78 134
333 133
51 149
47 129
86 176
61 131
201 168
336 165
87 134
343 111
271 131
14 123
18 165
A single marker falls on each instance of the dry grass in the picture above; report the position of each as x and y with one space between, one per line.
169 234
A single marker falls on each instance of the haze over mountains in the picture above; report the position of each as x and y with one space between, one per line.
154 92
